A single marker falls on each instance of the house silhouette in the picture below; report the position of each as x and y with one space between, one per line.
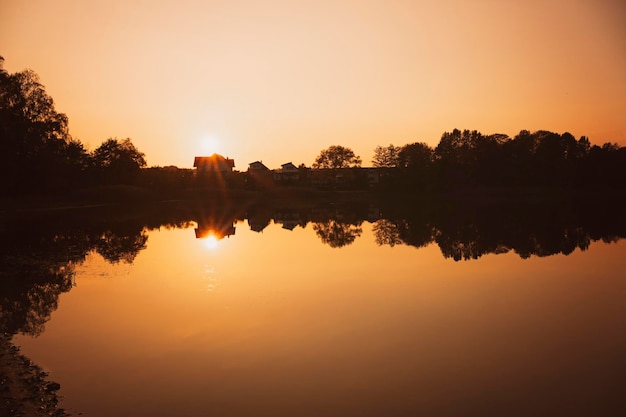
213 164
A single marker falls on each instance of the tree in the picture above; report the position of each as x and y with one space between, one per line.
386 157
32 132
3 72
118 160
337 157
416 163
415 156
455 156
584 146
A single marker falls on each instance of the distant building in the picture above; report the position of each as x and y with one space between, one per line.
213 164
257 166
289 167
287 173
259 176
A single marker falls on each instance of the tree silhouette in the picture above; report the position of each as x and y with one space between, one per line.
416 163
386 157
417 156
118 161
455 157
337 157
40 154
32 133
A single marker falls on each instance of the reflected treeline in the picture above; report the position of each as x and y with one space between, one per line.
462 229
39 256
336 224
39 253
465 230
337 234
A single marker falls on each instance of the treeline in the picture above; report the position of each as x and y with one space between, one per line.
38 152
469 158
41 156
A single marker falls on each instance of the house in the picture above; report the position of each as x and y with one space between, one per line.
289 167
259 176
257 166
213 164
287 173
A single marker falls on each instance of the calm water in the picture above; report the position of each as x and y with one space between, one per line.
277 314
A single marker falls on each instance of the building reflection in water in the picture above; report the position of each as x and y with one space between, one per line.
214 230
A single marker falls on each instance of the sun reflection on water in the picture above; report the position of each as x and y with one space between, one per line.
211 242
211 279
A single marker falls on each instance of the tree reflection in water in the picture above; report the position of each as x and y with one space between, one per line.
115 248
468 231
39 253
386 232
38 257
336 234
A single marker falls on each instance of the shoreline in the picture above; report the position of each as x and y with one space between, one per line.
24 386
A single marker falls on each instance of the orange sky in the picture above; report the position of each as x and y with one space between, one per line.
279 80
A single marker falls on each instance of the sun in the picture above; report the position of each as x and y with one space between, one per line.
210 145
211 242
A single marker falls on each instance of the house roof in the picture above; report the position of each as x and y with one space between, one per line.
258 165
215 159
289 165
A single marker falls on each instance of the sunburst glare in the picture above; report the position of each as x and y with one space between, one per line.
210 145
211 242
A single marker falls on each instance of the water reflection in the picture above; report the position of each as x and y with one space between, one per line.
214 231
461 231
40 254
216 221
337 234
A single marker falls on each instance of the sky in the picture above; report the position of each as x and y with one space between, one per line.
279 80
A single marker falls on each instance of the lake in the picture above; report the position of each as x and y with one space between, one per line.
329 310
